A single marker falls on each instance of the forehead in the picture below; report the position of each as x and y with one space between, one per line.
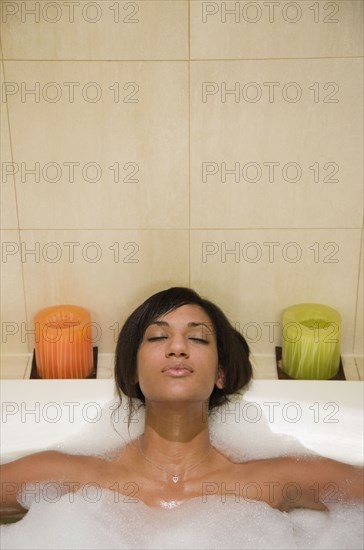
186 314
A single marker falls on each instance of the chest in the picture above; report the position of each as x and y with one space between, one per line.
238 482
233 483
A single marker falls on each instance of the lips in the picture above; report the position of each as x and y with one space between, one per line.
177 370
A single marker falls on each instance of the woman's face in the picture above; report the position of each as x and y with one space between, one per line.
177 359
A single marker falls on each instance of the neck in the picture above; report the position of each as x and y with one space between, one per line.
175 436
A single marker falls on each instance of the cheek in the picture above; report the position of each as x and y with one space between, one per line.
144 364
214 359
211 366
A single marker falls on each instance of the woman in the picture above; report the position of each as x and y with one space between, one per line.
180 357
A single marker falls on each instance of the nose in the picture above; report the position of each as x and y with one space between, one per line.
177 347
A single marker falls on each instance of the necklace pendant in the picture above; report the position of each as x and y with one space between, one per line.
175 479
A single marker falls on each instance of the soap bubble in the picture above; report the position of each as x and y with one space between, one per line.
74 523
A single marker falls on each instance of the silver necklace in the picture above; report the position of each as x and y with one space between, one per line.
175 477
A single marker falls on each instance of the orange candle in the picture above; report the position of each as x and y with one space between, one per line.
63 346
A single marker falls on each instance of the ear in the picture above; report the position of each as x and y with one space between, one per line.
220 379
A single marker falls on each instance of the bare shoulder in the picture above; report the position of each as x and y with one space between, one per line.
303 463
42 467
310 469
39 466
305 481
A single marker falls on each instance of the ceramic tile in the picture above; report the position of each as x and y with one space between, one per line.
360 366
109 273
119 162
13 312
13 366
282 148
28 369
230 30
105 365
144 29
350 368
254 275
359 327
8 215
264 367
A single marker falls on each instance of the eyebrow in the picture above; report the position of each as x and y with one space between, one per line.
191 324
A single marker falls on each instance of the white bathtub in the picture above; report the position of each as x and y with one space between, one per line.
325 417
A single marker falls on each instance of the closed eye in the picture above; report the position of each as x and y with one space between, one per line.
199 340
154 338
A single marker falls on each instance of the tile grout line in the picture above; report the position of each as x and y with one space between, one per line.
357 293
18 228
189 141
183 60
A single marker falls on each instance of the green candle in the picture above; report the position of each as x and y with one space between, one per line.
311 341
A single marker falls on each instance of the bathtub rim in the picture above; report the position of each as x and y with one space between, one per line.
21 438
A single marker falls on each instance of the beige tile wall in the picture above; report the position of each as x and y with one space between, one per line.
359 333
156 143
